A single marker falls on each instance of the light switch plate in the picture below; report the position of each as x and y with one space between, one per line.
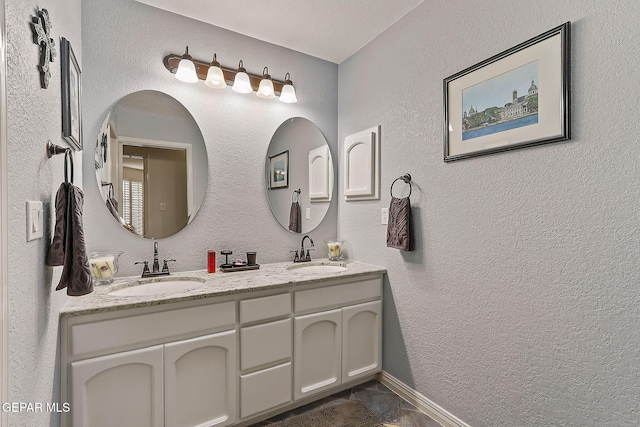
35 220
307 213
384 216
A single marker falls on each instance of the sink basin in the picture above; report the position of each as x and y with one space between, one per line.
158 288
317 268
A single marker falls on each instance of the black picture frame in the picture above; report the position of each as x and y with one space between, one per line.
71 96
279 170
541 116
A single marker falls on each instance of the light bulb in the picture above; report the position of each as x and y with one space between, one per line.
186 69
288 93
241 83
215 76
265 90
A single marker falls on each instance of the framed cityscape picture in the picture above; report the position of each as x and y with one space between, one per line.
515 99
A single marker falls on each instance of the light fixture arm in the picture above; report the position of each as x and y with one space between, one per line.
171 63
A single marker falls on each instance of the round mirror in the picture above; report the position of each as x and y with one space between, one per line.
151 164
299 175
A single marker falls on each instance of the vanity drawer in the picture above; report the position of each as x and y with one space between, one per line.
252 310
265 389
336 296
266 343
103 335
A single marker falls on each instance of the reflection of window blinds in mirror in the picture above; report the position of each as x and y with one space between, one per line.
133 205
137 207
133 192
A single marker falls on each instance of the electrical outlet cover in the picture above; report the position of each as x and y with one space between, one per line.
384 216
35 220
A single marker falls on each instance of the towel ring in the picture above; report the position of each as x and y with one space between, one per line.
407 180
110 189
295 199
68 155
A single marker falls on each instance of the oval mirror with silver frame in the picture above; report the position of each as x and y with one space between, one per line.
151 164
299 175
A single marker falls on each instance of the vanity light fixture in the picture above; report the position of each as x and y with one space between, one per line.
241 83
219 76
288 93
186 68
215 76
266 85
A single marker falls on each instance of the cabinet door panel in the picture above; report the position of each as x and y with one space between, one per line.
361 346
265 389
200 383
122 389
317 342
265 343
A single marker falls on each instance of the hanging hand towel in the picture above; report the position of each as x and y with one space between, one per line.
399 230
67 246
295 218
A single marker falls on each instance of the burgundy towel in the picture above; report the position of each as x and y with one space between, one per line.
295 218
67 246
399 230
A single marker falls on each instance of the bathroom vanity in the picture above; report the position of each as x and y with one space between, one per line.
225 349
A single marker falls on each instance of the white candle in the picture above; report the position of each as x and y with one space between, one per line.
102 267
334 249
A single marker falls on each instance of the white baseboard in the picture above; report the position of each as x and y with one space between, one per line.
418 400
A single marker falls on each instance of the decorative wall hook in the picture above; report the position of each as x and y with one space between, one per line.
53 150
41 26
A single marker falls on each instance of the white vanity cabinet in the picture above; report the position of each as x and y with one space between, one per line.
227 360
164 380
265 353
185 383
336 346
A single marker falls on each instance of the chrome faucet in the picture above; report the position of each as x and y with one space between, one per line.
156 265
303 257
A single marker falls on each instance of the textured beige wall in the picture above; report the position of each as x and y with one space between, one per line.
521 305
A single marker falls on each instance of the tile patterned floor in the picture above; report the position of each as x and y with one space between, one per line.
389 407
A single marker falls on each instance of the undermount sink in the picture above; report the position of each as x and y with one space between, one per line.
157 288
317 268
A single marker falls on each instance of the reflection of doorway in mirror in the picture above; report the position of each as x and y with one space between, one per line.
162 188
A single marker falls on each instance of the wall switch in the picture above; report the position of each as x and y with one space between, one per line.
163 206
384 216
307 213
35 220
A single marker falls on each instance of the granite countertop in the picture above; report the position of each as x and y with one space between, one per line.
268 276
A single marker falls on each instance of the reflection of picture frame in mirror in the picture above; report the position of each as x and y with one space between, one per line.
279 170
71 86
101 151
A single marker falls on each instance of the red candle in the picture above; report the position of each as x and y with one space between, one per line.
211 261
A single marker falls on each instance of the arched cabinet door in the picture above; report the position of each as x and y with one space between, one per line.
317 352
361 154
200 383
320 174
361 340
122 389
